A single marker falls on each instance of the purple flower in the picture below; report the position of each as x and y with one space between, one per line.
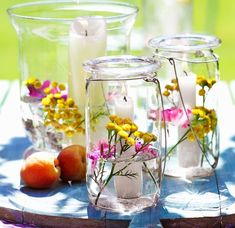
38 92
101 150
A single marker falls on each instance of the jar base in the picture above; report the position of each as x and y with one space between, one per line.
189 173
126 206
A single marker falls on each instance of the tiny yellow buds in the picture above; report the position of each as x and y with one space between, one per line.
54 84
123 134
70 102
126 127
131 141
166 93
134 127
110 126
37 84
191 137
46 101
57 95
202 92
112 117
47 90
138 134
61 87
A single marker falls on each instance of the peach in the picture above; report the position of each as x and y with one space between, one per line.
72 160
40 170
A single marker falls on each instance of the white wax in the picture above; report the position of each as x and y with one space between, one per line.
124 107
189 153
87 40
187 85
127 187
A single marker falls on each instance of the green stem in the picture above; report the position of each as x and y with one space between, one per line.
151 175
106 183
172 148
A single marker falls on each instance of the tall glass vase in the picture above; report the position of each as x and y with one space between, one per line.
124 166
54 39
189 78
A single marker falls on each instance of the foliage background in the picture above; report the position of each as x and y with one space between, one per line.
209 16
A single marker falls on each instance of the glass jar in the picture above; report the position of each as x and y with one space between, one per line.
54 39
124 168
189 78
166 17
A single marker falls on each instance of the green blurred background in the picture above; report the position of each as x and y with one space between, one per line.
209 16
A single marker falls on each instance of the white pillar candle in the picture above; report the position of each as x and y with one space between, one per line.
189 153
87 40
127 187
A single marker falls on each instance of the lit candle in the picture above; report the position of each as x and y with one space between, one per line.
189 153
87 39
127 187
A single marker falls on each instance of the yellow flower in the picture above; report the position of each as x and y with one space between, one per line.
30 81
123 134
197 111
126 127
54 84
202 92
112 117
166 93
131 141
110 126
147 137
70 102
46 101
191 137
57 95
169 87
118 128
174 81
61 87
138 134
47 90
69 132
134 127
118 120
37 84
127 121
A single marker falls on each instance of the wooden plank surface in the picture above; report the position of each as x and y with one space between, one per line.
69 204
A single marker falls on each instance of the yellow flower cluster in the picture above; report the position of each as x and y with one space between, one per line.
59 110
169 88
126 129
62 114
205 121
203 82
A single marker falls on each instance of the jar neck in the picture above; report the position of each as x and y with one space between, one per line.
200 56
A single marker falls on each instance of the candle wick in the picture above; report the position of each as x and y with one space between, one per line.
124 98
86 33
185 73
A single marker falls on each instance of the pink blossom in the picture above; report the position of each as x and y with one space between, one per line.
101 150
38 93
146 150
175 116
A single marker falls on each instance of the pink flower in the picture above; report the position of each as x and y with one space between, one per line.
101 150
175 116
38 93
146 150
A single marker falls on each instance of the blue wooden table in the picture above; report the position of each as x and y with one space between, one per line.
67 205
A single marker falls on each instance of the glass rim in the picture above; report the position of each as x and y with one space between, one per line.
119 68
205 42
134 9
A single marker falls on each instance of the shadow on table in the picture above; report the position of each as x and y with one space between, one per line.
14 149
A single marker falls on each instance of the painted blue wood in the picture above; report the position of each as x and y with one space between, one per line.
192 199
